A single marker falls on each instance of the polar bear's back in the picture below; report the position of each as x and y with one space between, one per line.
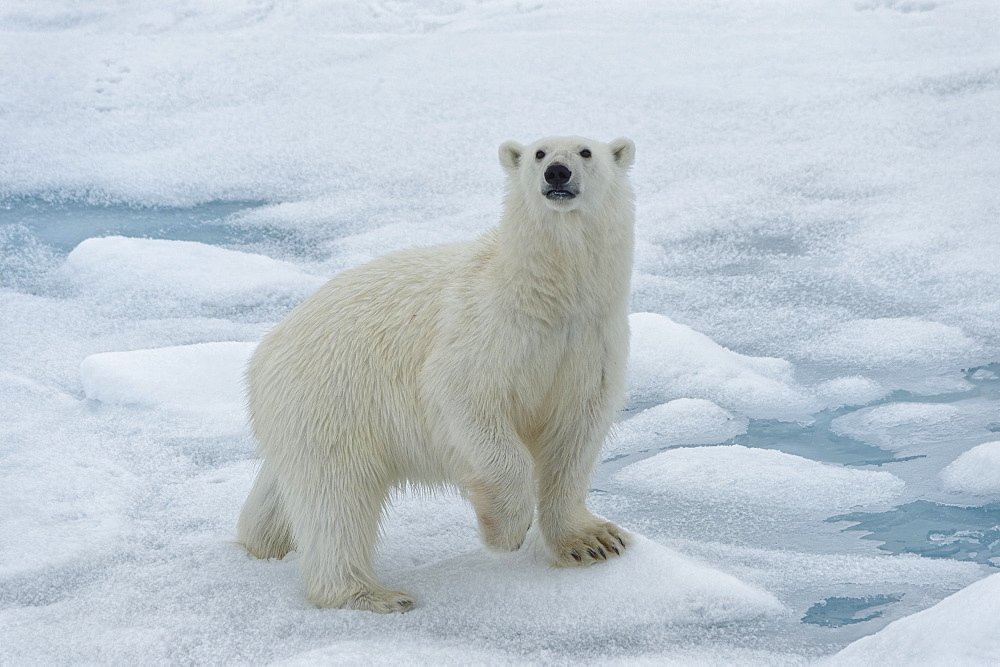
343 367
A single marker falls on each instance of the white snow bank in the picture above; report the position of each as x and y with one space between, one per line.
780 483
963 629
890 343
522 595
977 471
670 360
684 421
153 275
204 378
898 426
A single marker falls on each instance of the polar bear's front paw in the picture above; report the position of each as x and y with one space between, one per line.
505 535
597 542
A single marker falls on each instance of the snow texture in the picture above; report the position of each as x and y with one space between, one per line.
976 471
900 426
770 481
683 421
963 629
202 378
671 361
815 275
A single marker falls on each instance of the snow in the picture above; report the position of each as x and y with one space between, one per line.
206 377
963 629
896 341
815 276
900 426
654 585
763 480
169 277
976 471
671 361
682 421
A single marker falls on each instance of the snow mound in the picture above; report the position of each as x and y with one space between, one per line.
684 421
977 471
203 378
963 629
769 480
150 276
670 360
851 390
522 595
898 426
890 343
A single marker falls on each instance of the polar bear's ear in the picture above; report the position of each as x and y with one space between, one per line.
623 150
510 155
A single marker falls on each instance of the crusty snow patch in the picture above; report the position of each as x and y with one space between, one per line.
522 594
684 421
766 479
889 342
977 471
670 360
898 426
963 629
153 274
201 378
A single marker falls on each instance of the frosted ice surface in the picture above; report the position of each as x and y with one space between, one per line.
851 390
890 342
682 421
200 378
900 426
775 482
152 276
976 471
963 629
655 586
670 361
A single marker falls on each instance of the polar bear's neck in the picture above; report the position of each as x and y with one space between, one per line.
558 265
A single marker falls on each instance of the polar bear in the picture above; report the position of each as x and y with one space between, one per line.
495 365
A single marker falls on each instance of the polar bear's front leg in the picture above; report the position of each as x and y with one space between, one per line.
500 483
565 462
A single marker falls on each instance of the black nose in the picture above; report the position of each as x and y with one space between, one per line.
557 174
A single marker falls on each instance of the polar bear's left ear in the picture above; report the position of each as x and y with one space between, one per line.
623 150
510 155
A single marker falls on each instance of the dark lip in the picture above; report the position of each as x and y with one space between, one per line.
560 194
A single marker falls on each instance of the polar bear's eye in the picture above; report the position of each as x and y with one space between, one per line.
539 155
585 152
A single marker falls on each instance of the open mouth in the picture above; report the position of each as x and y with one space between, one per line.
560 194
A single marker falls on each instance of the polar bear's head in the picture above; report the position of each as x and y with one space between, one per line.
566 173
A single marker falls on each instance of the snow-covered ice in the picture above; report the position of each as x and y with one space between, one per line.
762 480
671 361
963 629
200 378
807 455
976 471
682 421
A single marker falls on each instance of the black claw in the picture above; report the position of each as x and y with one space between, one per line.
621 540
613 547
575 555
593 554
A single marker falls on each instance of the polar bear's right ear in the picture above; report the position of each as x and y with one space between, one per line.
510 155
623 151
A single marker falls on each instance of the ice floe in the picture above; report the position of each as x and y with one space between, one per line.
772 481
